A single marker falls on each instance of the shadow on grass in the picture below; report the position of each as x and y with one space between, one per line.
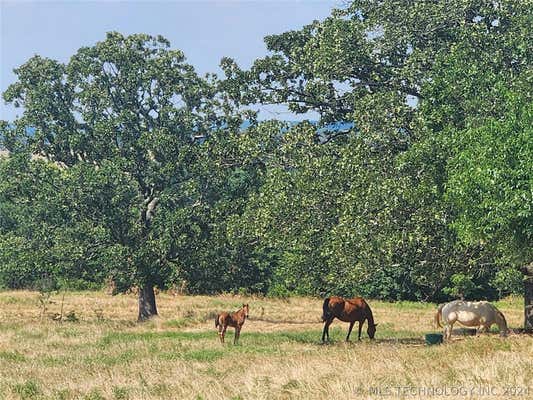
406 341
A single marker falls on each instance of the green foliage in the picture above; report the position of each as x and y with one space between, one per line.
371 210
490 183
462 286
508 281
118 187
140 171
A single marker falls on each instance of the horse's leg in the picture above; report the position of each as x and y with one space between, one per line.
360 327
349 331
237 334
223 333
484 328
325 332
448 331
449 320
329 323
220 333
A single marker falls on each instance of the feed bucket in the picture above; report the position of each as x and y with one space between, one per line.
433 338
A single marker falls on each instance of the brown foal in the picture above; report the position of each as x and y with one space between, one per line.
235 320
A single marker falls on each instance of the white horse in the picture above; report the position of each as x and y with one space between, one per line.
480 314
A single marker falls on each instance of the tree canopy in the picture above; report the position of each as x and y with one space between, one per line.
127 165
122 123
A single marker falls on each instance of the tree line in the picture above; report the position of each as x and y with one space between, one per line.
127 166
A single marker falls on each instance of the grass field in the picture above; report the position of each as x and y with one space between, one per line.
105 354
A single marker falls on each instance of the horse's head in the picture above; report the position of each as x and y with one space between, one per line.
246 310
371 330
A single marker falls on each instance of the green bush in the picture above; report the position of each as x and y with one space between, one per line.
508 281
461 285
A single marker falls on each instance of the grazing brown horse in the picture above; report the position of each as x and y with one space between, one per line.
350 311
235 320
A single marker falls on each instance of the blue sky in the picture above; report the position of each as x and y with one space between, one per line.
205 30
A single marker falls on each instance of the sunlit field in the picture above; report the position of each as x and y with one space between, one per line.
100 352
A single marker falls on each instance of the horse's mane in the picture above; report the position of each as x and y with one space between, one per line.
369 315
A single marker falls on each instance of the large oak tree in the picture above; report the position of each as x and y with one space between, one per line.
123 121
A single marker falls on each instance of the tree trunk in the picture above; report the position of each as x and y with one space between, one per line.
528 298
147 307
528 304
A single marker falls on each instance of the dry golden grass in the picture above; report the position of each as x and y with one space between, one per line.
106 355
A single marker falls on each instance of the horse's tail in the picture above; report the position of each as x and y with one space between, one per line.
438 315
326 314
217 321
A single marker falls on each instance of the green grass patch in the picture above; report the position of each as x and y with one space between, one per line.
204 355
110 360
411 305
307 337
128 337
13 356
248 338
510 302
10 300
213 372
69 332
121 393
388 332
229 304
94 394
27 390
62 394
55 361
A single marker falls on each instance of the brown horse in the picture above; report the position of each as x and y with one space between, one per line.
350 311
235 320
